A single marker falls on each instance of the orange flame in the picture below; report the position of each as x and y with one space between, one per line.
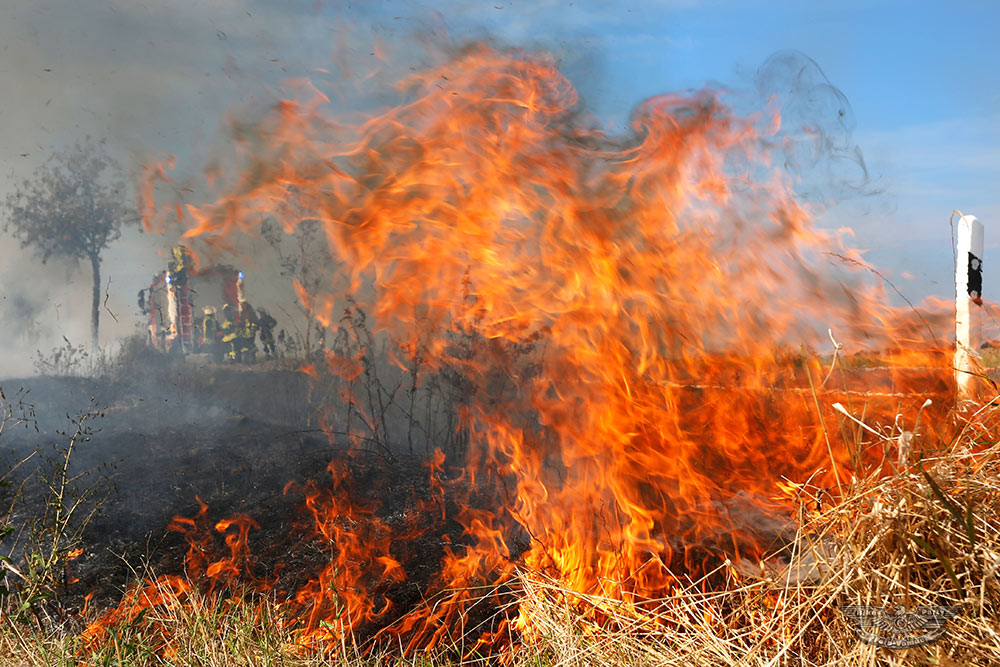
627 315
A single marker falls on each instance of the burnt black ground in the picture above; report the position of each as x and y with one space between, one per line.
231 436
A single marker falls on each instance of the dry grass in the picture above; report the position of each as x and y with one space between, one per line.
204 631
924 532
927 535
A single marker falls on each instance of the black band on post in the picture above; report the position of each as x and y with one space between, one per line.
975 277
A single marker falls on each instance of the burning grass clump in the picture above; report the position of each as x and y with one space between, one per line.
927 535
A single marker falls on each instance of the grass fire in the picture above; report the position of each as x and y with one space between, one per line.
436 366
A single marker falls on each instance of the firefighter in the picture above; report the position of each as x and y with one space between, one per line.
229 334
266 324
209 334
179 266
247 332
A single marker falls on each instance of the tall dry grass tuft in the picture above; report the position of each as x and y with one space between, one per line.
926 534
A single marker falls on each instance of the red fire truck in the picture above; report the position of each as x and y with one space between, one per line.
177 298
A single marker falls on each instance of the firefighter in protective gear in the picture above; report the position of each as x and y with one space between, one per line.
229 334
247 332
178 268
209 334
266 324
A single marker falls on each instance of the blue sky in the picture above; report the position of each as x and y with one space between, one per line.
922 79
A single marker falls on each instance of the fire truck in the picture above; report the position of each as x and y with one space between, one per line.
176 297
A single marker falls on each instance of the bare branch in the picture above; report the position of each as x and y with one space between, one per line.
106 296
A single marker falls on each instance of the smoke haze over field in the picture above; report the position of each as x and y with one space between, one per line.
158 78
150 80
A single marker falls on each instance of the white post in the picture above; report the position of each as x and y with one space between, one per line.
968 302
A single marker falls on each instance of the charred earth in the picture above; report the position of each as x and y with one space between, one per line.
208 442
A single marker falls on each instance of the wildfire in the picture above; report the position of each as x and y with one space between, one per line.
627 315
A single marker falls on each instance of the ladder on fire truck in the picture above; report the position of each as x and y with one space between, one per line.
185 319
